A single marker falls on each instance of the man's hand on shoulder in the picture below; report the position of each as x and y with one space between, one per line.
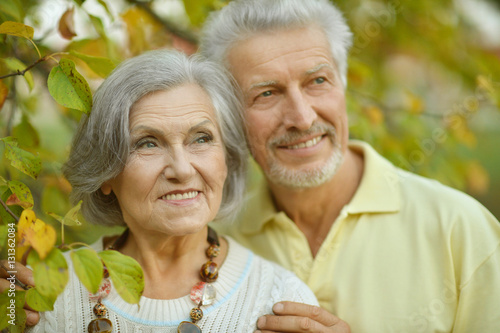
25 275
298 317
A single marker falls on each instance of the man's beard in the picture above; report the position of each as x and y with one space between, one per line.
303 179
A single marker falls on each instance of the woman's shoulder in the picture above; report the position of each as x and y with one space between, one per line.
279 283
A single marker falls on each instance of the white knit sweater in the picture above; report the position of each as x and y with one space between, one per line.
247 288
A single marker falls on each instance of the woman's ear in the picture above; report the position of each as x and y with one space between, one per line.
106 188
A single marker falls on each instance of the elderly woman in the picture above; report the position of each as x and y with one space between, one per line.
163 153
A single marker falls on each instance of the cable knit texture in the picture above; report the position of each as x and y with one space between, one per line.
247 288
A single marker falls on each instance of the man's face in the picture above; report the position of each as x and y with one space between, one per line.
295 105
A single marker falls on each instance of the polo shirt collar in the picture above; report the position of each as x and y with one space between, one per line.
378 192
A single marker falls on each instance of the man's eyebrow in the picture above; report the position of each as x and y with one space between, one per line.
263 84
317 68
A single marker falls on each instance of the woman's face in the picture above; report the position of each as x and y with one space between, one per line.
173 179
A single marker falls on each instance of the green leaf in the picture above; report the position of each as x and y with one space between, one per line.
97 23
12 9
126 274
17 29
26 134
51 273
11 308
88 268
101 66
4 303
17 210
106 8
15 65
20 159
71 218
4 233
22 192
198 11
69 88
39 302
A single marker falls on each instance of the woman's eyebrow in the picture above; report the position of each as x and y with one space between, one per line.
148 129
200 125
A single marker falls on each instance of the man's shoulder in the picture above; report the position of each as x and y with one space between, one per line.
422 191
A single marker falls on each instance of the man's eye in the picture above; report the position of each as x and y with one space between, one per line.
266 93
319 80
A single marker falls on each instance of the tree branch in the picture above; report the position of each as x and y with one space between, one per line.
8 210
26 69
169 26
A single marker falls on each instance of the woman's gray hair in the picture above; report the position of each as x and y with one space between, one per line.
242 19
101 145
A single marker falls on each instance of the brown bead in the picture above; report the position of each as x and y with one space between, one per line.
105 273
213 251
209 271
100 310
196 314
187 327
100 325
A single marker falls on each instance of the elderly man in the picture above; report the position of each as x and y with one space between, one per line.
383 249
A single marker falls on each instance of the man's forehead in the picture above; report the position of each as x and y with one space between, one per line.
305 73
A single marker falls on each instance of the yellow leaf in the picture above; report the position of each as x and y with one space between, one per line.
21 251
17 29
415 104
374 114
478 179
35 232
4 91
67 25
485 83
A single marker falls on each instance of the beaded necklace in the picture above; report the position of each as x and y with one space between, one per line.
202 293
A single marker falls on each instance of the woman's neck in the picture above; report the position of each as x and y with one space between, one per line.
171 264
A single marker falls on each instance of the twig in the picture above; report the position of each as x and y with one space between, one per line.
169 26
13 107
26 69
8 210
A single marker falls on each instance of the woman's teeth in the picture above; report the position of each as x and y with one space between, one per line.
187 195
308 143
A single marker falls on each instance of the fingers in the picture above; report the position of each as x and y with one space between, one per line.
32 317
305 310
21 272
297 317
289 324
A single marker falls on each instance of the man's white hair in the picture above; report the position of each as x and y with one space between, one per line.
242 19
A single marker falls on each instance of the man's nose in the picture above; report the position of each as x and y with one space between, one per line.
298 113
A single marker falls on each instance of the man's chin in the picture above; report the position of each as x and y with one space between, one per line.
307 177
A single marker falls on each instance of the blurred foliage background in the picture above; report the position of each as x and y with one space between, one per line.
424 83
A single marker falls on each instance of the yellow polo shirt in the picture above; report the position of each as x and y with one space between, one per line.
407 254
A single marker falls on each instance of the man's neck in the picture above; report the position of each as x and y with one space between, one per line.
315 210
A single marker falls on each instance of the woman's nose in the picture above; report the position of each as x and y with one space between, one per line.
179 167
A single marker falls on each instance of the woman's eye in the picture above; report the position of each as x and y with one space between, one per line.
146 144
319 80
203 139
